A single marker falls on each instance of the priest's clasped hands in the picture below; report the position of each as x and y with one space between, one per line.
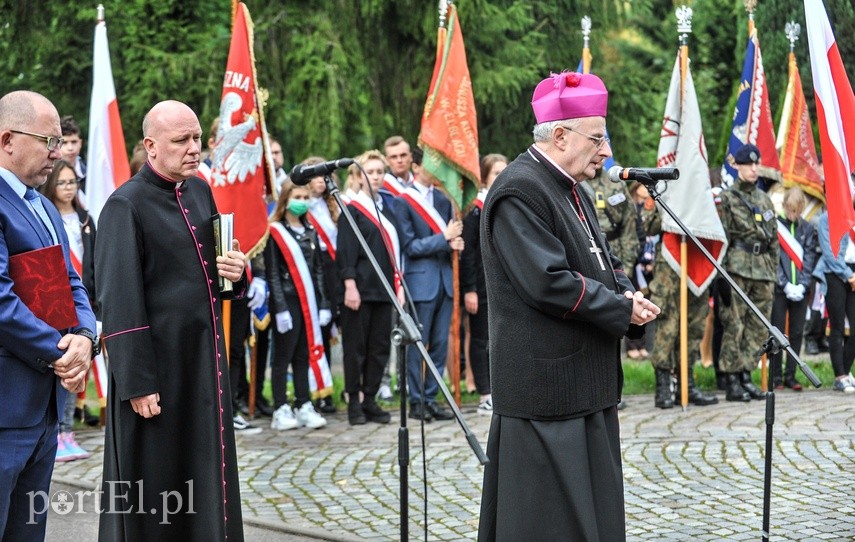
643 310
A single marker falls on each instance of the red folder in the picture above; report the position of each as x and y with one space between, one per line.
40 280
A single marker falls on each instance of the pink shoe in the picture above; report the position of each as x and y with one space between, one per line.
63 454
74 448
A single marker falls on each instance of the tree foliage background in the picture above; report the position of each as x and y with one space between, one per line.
343 75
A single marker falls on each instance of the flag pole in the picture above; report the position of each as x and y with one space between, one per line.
684 28
586 49
454 342
750 7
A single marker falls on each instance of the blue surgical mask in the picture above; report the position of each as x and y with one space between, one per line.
298 207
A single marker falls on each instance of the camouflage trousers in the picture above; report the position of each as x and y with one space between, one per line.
665 292
744 334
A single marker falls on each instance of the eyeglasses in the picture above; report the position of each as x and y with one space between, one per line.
63 184
53 143
597 141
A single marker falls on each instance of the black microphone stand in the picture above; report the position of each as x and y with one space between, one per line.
776 342
406 332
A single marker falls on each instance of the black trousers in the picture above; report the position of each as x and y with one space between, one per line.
291 348
238 334
479 357
840 302
792 315
365 338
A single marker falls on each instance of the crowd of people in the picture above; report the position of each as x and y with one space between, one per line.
580 263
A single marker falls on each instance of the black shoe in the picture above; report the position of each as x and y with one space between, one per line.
355 415
417 413
239 406
263 407
86 417
439 413
747 385
373 412
811 348
822 344
663 398
325 405
792 383
696 396
735 391
721 381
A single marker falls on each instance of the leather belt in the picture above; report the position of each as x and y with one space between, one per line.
752 248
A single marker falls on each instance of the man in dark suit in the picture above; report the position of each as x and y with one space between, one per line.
428 234
38 363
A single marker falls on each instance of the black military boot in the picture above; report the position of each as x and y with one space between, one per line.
696 396
734 389
663 389
747 385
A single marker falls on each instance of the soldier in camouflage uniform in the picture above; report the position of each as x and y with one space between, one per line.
617 216
665 358
748 217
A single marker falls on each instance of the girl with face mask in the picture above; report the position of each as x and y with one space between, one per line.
300 304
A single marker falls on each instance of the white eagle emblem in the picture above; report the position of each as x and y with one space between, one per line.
233 158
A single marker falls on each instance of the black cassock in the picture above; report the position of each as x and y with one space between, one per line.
551 476
174 476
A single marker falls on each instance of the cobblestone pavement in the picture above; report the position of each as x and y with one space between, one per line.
694 475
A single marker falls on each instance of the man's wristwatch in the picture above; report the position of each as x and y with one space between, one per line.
96 344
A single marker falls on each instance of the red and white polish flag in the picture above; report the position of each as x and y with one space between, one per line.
835 110
107 159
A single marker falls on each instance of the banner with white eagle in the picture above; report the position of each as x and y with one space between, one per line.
241 168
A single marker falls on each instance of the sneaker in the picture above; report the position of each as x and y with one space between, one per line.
243 427
283 419
844 385
385 393
325 405
307 416
75 449
485 407
63 454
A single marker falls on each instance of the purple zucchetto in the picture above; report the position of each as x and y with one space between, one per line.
569 95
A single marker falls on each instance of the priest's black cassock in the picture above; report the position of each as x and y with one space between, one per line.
557 315
158 288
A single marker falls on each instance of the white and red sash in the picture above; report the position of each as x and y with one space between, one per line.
424 209
320 378
791 246
364 205
393 185
326 228
480 198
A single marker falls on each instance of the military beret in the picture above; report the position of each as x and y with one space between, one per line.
747 154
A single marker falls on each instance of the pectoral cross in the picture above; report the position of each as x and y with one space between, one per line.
597 251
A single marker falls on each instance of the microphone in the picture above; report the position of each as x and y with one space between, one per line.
303 173
619 174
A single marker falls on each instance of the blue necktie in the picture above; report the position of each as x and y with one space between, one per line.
36 203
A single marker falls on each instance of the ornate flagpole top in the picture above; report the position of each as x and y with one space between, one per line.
443 12
792 29
750 7
586 29
684 22
100 13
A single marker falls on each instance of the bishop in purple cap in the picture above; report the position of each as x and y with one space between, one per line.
560 302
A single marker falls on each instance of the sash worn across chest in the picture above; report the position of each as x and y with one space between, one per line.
325 227
425 210
366 207
320 377
791 246
480 198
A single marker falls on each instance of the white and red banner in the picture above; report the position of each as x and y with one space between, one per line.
791 246
425 210
240 172
320 377
107 159
681 145
835 111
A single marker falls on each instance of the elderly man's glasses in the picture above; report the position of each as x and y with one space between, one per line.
53 143
597 141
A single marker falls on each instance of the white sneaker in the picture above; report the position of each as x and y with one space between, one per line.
283 419
243 427
307 416
384 393
485 407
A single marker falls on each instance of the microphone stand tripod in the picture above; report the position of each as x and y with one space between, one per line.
776 342
406 332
